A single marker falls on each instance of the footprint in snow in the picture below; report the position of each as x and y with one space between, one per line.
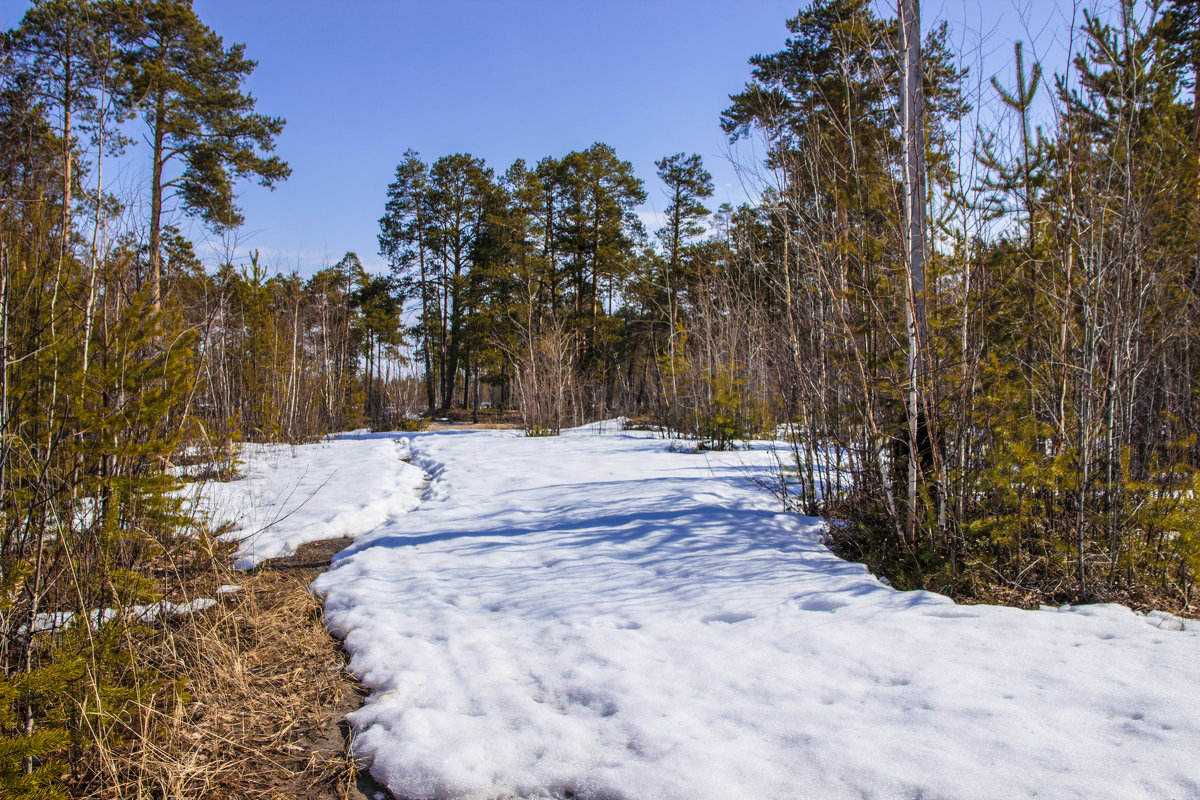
820 601
949 613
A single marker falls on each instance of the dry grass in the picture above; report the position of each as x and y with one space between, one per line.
263 693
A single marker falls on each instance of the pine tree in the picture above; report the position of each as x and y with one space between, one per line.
404 242
187 84
599 227
459 186
377 323
1179 28
686 183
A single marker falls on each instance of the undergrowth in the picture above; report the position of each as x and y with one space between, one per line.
242 700
975 569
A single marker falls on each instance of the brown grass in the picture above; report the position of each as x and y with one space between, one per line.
259 712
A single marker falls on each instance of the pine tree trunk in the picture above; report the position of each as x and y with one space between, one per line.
156 203
427 342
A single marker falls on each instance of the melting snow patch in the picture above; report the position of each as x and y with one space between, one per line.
291 496
56 620
592 616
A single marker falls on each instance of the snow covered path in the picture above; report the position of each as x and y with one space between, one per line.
594 616
289 496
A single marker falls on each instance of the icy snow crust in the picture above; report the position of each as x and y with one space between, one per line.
594 616
293 495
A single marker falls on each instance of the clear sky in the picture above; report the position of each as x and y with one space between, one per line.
360 81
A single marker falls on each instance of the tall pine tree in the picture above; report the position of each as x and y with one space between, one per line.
188 86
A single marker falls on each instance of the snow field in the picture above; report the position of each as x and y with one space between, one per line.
595 616
289 496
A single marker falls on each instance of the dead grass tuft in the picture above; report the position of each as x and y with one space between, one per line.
262 692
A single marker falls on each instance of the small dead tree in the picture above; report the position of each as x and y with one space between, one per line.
543 374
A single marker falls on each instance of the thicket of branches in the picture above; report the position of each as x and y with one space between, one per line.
1055 394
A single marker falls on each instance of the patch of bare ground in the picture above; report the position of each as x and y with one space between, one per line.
484 419
264 695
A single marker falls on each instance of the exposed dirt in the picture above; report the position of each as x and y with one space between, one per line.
484 419
309 560
451 425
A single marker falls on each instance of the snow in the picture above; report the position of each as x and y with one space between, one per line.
596 616
58 620
293 495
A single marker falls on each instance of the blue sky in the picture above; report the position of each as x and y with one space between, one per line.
360 81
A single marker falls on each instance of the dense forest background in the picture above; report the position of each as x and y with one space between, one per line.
1011 417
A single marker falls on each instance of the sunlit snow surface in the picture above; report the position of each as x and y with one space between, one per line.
292 495
596 616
